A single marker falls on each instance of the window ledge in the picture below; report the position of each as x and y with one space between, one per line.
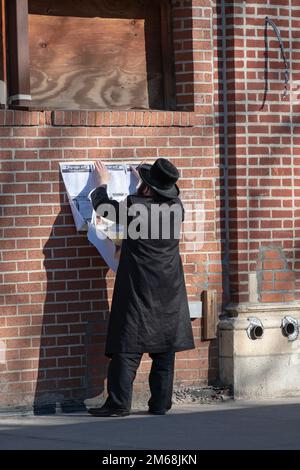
88 118
9 117
145 118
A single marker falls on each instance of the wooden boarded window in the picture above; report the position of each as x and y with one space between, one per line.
100 54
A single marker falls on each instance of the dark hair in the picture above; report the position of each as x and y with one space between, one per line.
142 188
156 197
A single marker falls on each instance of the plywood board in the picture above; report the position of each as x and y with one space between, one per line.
87 62
96 54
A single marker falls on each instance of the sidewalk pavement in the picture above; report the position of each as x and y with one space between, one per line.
268 424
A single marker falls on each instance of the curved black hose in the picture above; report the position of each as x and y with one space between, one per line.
287 72
277 32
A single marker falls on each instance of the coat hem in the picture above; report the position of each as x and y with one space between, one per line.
149 350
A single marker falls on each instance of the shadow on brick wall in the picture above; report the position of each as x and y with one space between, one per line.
72 365
227 128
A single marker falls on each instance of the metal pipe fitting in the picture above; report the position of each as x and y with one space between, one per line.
290 328
255 330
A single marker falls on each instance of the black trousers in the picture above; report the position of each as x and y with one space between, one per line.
121 374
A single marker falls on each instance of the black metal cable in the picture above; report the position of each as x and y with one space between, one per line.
287 72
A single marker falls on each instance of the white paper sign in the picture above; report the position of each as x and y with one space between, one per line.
104 245
80 178
122 181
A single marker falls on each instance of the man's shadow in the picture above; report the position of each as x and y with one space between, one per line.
72 365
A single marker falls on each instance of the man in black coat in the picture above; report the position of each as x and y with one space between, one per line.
150 312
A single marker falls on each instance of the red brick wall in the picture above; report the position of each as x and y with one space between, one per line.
237 152
55 289
259 143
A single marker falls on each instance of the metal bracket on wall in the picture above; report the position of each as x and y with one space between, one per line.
210 314
195 307
255 329
290 328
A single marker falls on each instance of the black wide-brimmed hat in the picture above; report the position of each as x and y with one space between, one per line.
161 176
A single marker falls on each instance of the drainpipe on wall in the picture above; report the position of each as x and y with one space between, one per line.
226 286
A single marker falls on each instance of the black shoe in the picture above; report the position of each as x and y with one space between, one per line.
106 412
158 412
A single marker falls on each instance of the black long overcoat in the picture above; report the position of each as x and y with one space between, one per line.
149 310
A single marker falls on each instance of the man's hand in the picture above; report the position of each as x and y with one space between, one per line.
103 173
135 170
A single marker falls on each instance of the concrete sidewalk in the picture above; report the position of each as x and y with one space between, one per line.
230 425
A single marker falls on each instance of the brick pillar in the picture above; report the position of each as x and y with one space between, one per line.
258 137
259 148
